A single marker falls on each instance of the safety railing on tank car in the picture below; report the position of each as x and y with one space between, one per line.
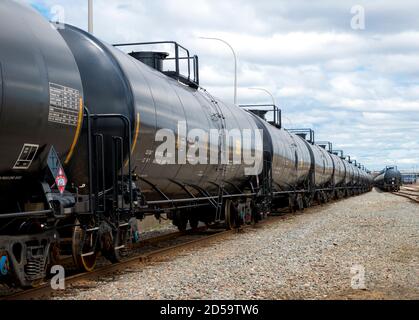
327 145
192 81
304 133
339 153
277 112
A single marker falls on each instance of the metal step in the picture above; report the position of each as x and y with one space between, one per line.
88 254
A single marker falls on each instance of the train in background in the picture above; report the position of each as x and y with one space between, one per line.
78 124
409 178
389 179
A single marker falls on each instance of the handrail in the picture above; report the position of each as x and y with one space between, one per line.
177 58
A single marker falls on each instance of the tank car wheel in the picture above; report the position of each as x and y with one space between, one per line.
84 248
180 221
300 202
292 203
194 223
230 215
120 244
329 196
182 224
308 199
325 197
319 198
256 216
336 195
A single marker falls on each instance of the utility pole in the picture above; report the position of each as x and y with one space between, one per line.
235 63
90 16
267 91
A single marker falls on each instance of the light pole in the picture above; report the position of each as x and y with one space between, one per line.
90 16
235 63
292 125
275 109
268 92
273 102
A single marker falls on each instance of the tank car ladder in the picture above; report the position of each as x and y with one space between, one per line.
98 194
218 115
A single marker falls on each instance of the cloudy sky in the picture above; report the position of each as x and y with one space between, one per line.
358 88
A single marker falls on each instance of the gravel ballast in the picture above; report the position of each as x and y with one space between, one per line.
324 253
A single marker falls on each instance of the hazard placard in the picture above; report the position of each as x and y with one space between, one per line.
61 181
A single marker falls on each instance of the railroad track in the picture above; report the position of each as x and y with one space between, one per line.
155 248
409 195
413 187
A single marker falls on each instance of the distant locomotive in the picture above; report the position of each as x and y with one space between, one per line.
78 125
389 179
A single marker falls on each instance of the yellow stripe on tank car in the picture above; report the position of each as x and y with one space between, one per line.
77 135
137 132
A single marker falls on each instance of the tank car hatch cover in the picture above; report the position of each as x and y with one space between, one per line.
26 156
64 105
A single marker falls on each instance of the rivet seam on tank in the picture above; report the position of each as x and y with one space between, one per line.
77 134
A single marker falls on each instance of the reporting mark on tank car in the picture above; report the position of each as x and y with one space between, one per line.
64 105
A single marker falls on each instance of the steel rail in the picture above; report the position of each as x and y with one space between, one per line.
45 290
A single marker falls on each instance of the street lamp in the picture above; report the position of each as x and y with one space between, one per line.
273 102
235 63
292 124
276 112
90 16
268 92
